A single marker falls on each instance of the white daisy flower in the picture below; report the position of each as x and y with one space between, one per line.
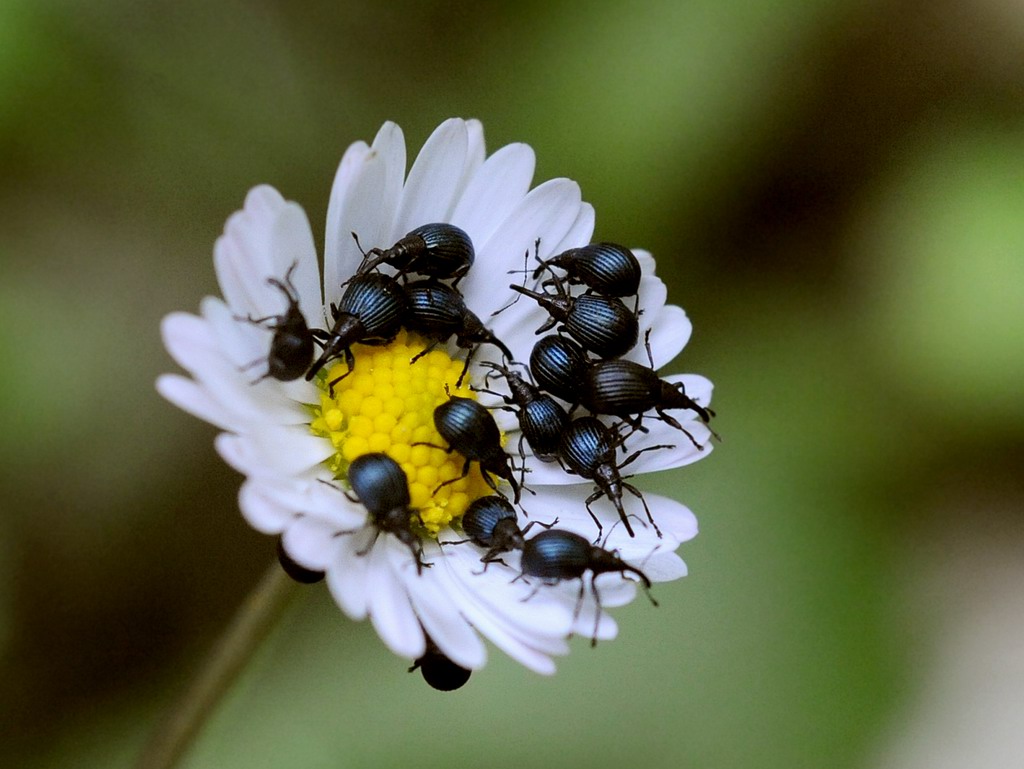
294 440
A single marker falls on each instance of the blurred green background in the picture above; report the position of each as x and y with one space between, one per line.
835 193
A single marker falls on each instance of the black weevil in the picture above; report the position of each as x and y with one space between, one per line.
439 250
438 312
604 268
627 390
296 571
541 419
557 555
492 522
438 670
382 487
558 365
470 429
291 348
601 324
371 311
588 450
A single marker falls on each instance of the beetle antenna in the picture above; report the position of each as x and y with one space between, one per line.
358 244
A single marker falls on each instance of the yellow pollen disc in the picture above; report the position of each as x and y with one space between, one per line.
387 404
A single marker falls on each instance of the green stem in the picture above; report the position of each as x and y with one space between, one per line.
251 624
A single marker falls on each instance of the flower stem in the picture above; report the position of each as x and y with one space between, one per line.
251 624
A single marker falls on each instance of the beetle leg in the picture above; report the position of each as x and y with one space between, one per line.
350 361
421 353
635 454
595 496
667 419
465 471
636 493
647 342
465 366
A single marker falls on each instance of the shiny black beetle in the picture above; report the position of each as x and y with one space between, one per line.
588 450
557 555
625 389
371 311
291 348
492 522
470 430
438 312
439 250
604 268
439 671
602 324
541 419
295 570
558 365
382 487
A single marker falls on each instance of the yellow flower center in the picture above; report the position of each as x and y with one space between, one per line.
387 405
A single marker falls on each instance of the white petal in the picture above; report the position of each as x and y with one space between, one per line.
617 589
663 567
647 264
348 577
336 236
244 383
676 521
242 255
365 205
476 152
606 630
389 144
319 499
494 191
263 513
541 617
580 233
390 611
431 595
274 451
182 331
548 212
291 243
190 397
435 179
498 633
567 505
311 542
290 450
263 241
670 331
